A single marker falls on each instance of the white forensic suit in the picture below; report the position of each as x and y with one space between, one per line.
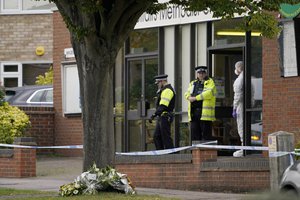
238 103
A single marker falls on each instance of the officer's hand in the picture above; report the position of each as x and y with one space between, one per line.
234 114
192 99
152 118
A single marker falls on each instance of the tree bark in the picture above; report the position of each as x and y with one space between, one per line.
95 70
96 36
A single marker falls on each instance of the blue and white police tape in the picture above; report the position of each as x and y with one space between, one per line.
159 152
42 147
209 145
153 153
282 153
252 148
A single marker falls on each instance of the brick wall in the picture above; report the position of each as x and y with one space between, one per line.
18 162
42 126
202 171
281 96
68 130
21 34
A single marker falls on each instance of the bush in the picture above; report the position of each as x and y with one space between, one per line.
297 150
13 123
47 79
2 94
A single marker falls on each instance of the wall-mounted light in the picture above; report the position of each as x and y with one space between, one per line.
237 33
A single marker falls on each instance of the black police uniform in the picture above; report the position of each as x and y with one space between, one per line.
199 127
162 134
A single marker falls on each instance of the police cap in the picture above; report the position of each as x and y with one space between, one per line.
199 69
161 77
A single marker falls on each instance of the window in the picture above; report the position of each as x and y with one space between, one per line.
11 5
44 96
11 74
71 91
142 41
289 45
33 70
36 97
18 74
17 6
49 96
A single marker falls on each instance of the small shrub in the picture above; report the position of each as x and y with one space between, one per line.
47 79
297 150
2 94
13 123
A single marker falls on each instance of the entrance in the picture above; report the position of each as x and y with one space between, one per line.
140 95
221 65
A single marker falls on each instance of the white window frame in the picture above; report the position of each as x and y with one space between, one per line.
20 9
288 53
70 89
18 74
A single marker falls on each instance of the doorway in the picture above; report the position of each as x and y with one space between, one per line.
222 60
140 103
221 65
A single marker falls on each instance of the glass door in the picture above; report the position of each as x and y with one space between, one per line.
140 103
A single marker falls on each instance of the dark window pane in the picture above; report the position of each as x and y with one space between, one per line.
143 41
10 68
10 82
31 71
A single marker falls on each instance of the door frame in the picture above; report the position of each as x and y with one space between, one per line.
245 48
131 115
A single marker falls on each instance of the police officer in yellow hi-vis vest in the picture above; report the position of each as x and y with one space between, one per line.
165 104
201 96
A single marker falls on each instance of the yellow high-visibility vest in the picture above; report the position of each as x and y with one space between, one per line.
208 96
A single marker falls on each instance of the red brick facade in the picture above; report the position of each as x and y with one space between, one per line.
67 130
18 162
201 173
42 127
281 96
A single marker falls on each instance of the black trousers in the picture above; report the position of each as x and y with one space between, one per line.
162 134
201 130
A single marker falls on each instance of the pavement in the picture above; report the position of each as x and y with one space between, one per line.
52 172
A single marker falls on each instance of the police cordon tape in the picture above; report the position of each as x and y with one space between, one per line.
203 145
42 147
168 151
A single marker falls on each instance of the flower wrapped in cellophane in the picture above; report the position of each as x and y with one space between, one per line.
95 180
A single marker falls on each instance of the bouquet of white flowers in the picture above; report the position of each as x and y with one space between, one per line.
95 180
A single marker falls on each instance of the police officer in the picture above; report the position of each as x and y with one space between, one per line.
201 96
164 107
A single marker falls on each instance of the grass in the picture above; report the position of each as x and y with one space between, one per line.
39 195
11 192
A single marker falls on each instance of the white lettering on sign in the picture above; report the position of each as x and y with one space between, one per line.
174 14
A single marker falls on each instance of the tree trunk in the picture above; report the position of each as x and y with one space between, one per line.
95 68
98 31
